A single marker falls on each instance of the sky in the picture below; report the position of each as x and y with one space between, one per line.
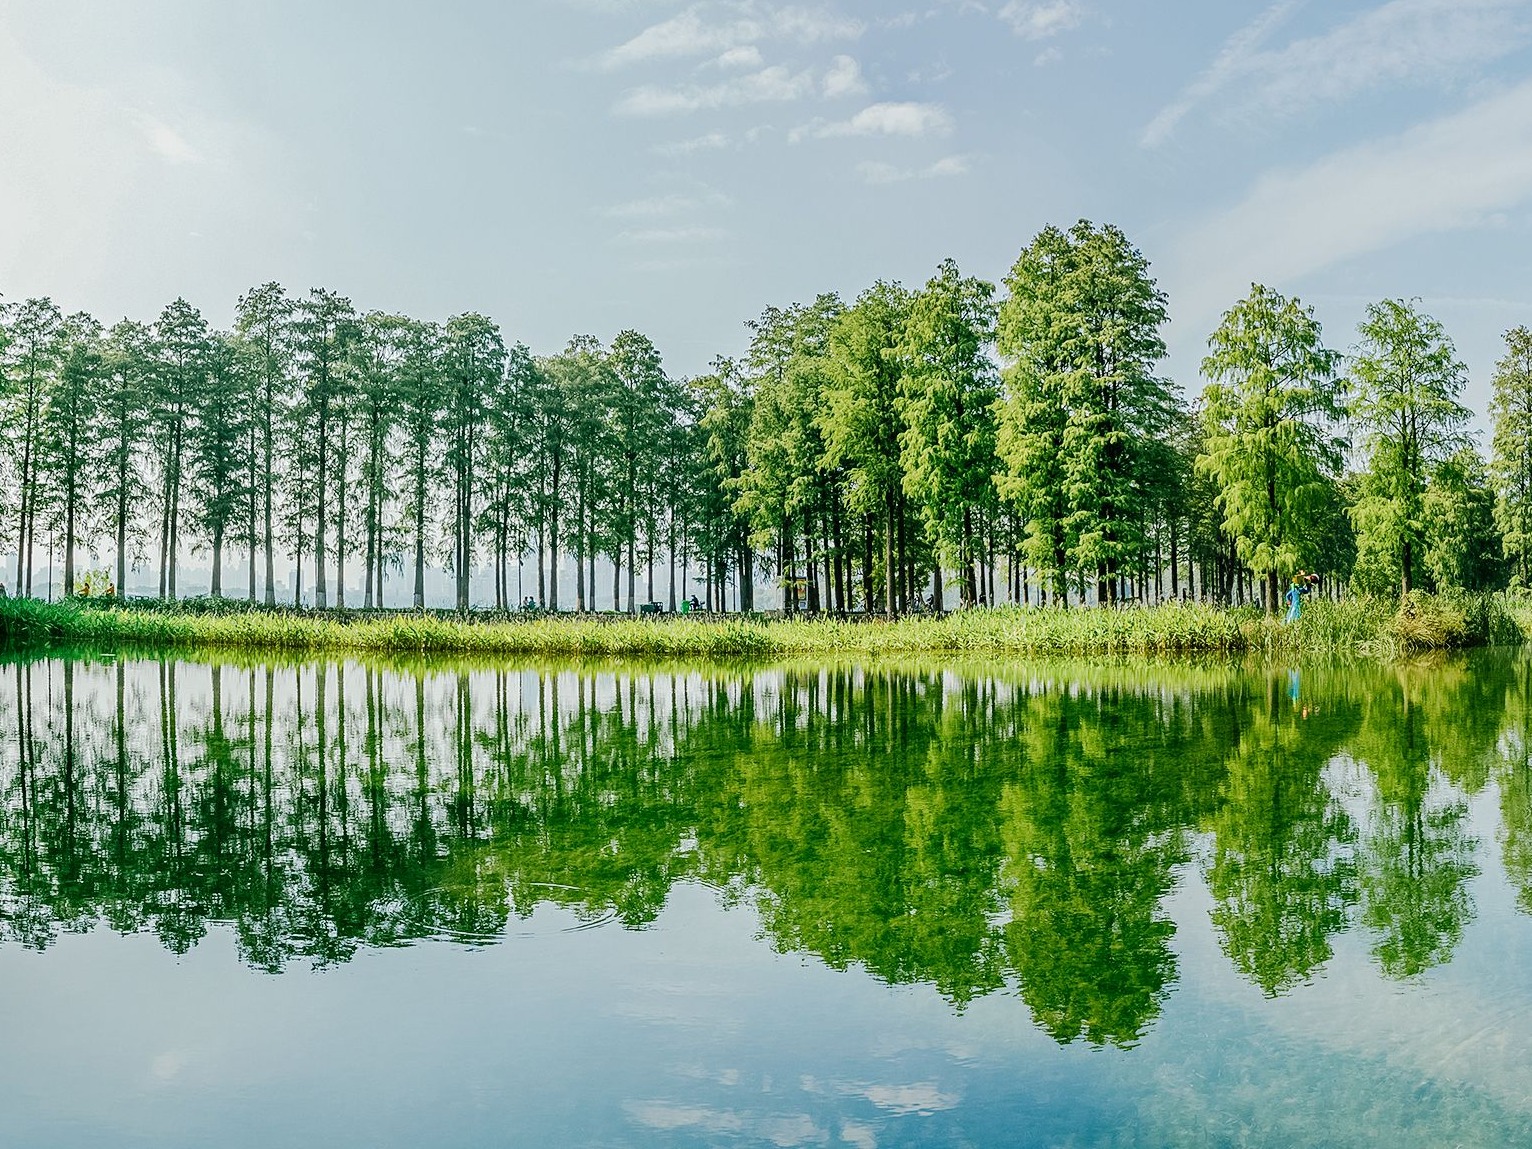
584 166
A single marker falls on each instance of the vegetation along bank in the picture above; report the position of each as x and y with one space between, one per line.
1357 626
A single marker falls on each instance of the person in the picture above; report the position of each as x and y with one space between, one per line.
1295 596
695 604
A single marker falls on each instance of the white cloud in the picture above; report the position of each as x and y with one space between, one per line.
1455 172
164 141
673 204
711 142
720 28
1403 41
888 119
686 34
844 78
748 56
654 235
1040 19
878 172
770 85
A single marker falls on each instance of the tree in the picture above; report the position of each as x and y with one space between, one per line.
126 403
420 403
181 341
69 433
638 384
1511 452
473 363
721 532
1269 409
263 323
218 440
324 328
861 422
1463 548
1406 378
1080 331
376 355
947 400
33 359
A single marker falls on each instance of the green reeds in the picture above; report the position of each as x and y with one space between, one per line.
1425 622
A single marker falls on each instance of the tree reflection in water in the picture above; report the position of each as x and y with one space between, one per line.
980 830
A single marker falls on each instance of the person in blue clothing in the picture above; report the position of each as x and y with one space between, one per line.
1301 585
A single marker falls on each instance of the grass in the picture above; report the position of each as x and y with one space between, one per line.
1369 627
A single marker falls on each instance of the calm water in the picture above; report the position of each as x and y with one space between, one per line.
347 904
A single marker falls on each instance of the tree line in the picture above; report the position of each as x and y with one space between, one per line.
1017 441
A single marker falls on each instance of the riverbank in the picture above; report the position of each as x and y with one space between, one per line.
1367 627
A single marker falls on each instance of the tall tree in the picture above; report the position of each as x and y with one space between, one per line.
70 429
862 421
1406 378
126 405
420 406
1269 411
181 341
324 327
638 380
1080 331
1510 465
377 353
473 360
32 362
217 437
947 400
263 322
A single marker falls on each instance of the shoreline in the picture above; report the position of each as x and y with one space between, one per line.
1358 627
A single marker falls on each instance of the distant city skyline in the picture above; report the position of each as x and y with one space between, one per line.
591 165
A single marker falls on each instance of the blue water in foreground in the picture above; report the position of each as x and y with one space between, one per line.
353 904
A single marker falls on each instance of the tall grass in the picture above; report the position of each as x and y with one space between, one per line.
1353 627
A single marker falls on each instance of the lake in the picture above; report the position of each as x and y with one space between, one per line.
349 903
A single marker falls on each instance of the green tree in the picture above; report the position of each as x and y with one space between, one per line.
1269 410
263 322
31 364
1463 548
1406 379
323 329
1080 332
70 432
638 387
420 407
126 405
473 364
217 441
182 345
947 399
861 422
1510 408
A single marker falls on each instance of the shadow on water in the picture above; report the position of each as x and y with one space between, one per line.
986 829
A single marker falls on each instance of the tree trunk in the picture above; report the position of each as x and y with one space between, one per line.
321 593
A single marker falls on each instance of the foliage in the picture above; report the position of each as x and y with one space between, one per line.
1406 380
1270 448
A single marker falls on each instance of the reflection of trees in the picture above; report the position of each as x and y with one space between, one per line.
964 831
1416 853
1092 830
1281 871
1516 784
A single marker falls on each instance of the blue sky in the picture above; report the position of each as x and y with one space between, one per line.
588 165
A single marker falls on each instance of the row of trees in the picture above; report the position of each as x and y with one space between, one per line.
1022 444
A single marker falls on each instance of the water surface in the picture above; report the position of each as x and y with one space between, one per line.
344 903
